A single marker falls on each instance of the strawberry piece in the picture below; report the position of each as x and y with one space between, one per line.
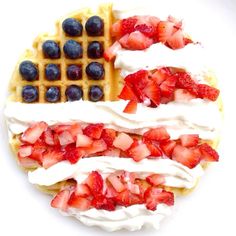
140 152
127 25
48 137
59 128
208 92
94 130
185 156
167 87
126 198
181 95
184 81
73 154
116 29
143 186
97 146
165 29
157 134
28 163
82 190
116 183
78 202
110 192
178 23
147 30
187 41
61 199
51 157
127 94
160 75
95 182
123 141
108 135
189 140
38 149
65 138
152 91
110 53
131 107
75 129
168 147
154 150
102 202
208 153
176 41
33 133
83 141
124 41
25 151
112 152
155 179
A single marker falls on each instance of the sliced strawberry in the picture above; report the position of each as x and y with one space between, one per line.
27 162
176 41
48 137
108 135
123 41
165 29
123 141
207 92
75 129
140 152
127 94
147 30
181 95
65 138
73 154
112 152
110 192
110 53
131 107
94 130
38 149
52 157
127 25
102 202
187 41
168 147
178 23
116 183
78 202
95 182
152 91
160 75
116 29
189 140
83 141
157 134
60 200
154 150
208 153
82 190
25 151
155 179
143 186
97 146
167 87
185 156
59 128
126 198
33 133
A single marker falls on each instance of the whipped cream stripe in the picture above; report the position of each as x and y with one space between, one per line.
195 116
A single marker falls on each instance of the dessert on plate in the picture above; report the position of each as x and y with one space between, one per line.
115 116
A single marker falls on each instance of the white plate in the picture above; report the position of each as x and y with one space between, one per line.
209 210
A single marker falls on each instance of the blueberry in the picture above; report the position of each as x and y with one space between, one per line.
30 93
72 27
28 71
95 50
95 93
95 70
51 49
73 49
52 72
94 26
74 72
53 94
73 93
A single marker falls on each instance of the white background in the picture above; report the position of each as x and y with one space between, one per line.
211 209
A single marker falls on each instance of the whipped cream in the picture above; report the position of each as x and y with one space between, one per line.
191 58
131 218
195 116
176 174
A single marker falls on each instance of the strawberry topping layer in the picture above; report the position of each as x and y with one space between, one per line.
118 189
43 145
140 32
162 86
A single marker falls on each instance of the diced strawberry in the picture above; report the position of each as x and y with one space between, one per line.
73 154
97 146
133 188
60 201
178 23
116 183
65 138
108 135
25 151
154 150
102 202
81 203
189 140
110 192
48 137
51 157
155 179
168 147
27 162
39 148
140 152
59 128
208 153
123 41
127 94
157 134
127 25
143 185
152 91
187 41
123 141
116 29
160 75
140 77
33 133
126 198
207 92
110 53
75 129
181 95
83 141
165 30
147 30
131 107
128 177
176 41
94 130
95 182
168 86
185 156
82 190
112 152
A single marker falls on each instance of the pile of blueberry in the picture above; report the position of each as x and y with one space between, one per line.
72 50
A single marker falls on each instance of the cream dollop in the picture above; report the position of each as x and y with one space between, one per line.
195 116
